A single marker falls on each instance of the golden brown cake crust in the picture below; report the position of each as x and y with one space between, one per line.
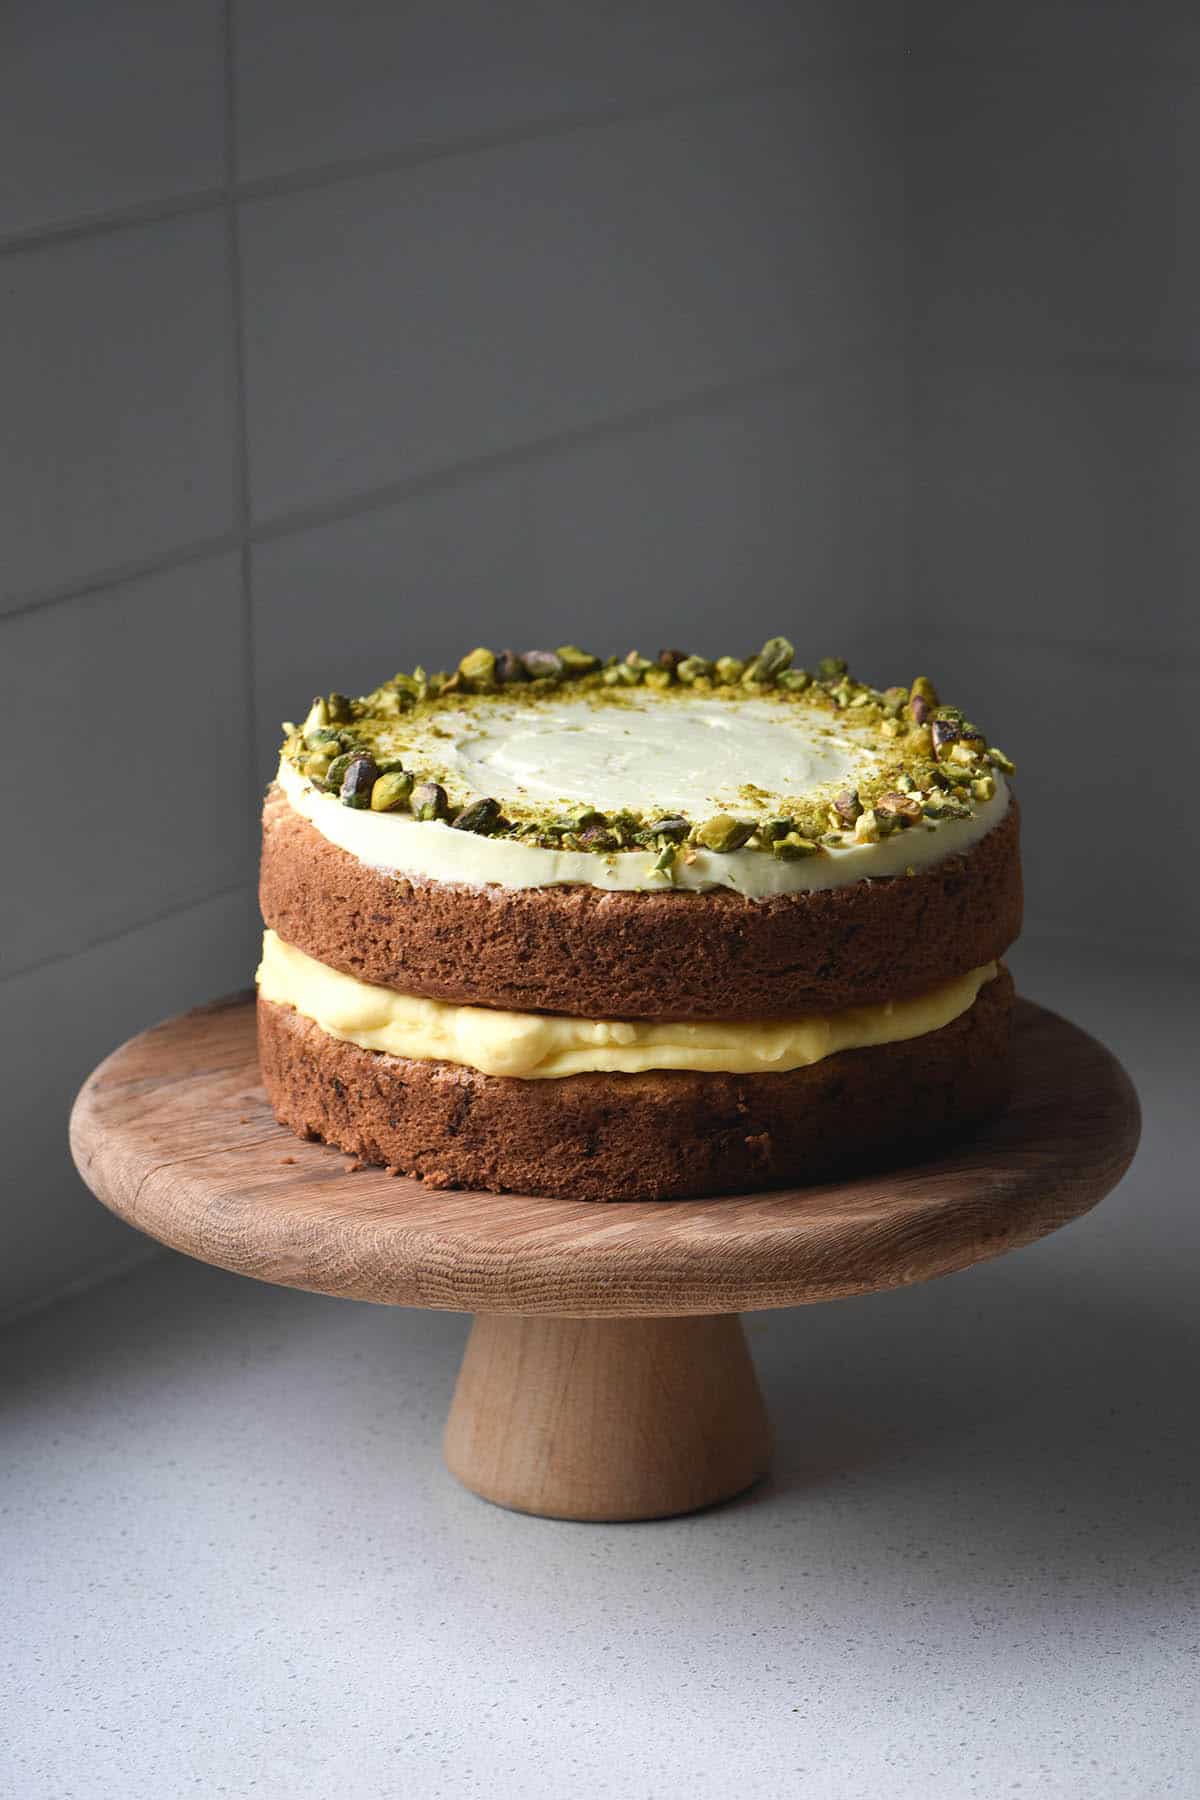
635 1137
597 954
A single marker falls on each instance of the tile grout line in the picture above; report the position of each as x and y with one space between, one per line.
241 431
176 911
289 524
383 162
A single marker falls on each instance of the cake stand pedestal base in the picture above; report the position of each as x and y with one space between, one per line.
607 1418
606 1376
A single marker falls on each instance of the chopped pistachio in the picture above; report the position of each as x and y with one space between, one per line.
724 833
899 807
866 827
317 716
339 709
729 669
793 846
658 678
576 661
664 862
673 826
847 808
509 667
579 820
794 681
944 733
831 668
984 787
671 659
774 657
692 668
1004 763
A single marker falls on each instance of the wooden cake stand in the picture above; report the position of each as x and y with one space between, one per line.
607 1375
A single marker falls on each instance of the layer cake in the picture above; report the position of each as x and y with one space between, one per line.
633 928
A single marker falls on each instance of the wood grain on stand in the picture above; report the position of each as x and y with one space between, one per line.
174 1134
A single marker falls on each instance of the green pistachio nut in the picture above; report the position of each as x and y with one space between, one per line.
775 656
391 792
509 668
336 771
480 816
362 772
429 801
664 862
831 668
576 821
847 808
724 833
1005 764
576 661
542 665
478 668
729 670
659 678
598 837
794 681
793 846
339 709
674 827
694 668
898 807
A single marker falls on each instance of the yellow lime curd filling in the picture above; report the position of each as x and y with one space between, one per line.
541 1046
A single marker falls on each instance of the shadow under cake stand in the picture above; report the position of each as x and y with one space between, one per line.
607 1375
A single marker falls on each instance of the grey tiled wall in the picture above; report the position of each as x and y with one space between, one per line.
337 337
1054 181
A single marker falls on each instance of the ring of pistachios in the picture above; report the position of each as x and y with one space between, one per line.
936 764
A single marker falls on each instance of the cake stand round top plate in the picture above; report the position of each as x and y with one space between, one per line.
174 1134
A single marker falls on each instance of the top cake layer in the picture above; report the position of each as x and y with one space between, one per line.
553 770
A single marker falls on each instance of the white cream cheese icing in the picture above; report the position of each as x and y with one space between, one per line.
540 1046
667 755
429 850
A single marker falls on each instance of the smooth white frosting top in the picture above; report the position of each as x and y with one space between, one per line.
646 753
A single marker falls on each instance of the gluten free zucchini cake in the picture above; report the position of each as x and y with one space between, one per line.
633 928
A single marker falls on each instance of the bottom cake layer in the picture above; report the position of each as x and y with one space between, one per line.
656 1136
